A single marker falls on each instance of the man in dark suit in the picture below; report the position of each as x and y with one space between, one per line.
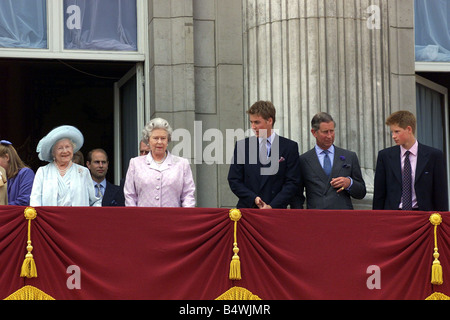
264 172
410 175
330 175
112 195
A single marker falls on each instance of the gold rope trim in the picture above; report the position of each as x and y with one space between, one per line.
29 293
29 266
438 296
235 265
238 293
436 268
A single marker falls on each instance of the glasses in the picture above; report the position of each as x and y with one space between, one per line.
5 142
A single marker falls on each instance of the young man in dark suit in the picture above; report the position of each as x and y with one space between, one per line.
97 163
264 172
410 175
331 175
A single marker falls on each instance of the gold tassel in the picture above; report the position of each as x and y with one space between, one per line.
438 296
436 268
29 266
235 265
238 293
29 293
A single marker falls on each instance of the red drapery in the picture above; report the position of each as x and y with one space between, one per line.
185 253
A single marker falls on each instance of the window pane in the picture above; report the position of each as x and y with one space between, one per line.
432 30
23 24
100 25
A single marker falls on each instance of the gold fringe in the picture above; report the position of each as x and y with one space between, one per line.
29 269
235 265
238 293
436 268
438 296
29 293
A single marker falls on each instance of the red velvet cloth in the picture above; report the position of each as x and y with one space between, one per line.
185 253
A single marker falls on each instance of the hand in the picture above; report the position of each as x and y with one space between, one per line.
261 204
340 183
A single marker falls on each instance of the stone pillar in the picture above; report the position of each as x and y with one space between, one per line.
171 62
196 80
351 58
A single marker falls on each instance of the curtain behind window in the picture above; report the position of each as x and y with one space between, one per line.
432 30
430 117
23 24
100 25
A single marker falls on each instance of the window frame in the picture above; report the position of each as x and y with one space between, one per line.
55 39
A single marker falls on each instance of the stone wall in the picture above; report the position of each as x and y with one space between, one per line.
211 59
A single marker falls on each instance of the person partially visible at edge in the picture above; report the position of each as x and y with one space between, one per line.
20 176
3 187
410 175
144 148
265 170
159 179
62 182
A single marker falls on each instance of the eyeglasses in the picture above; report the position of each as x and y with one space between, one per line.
5 142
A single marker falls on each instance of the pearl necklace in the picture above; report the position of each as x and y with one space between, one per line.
160 161
62 172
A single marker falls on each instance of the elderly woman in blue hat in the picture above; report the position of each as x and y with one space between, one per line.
62 182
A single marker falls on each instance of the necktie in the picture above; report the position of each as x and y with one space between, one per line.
99 190
407 184
326 163
263 151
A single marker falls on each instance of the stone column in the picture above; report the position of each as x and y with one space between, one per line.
351 58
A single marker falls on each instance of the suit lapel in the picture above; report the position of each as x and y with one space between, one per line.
313 161
422 159
337 162
394 157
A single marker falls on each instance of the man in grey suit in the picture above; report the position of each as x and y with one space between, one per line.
330 175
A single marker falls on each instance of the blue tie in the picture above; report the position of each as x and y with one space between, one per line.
326 163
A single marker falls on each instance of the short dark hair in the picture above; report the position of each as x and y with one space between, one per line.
319 118
265 109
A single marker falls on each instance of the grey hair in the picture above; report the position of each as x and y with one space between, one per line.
319 118
156 123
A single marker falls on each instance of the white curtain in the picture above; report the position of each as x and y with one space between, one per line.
23 24
432 30
100 25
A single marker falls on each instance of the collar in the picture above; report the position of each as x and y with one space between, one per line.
103 183
413 150
167 162
270 138
319 150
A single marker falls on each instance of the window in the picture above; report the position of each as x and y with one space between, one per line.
73 29
432 30
23 24
100 25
